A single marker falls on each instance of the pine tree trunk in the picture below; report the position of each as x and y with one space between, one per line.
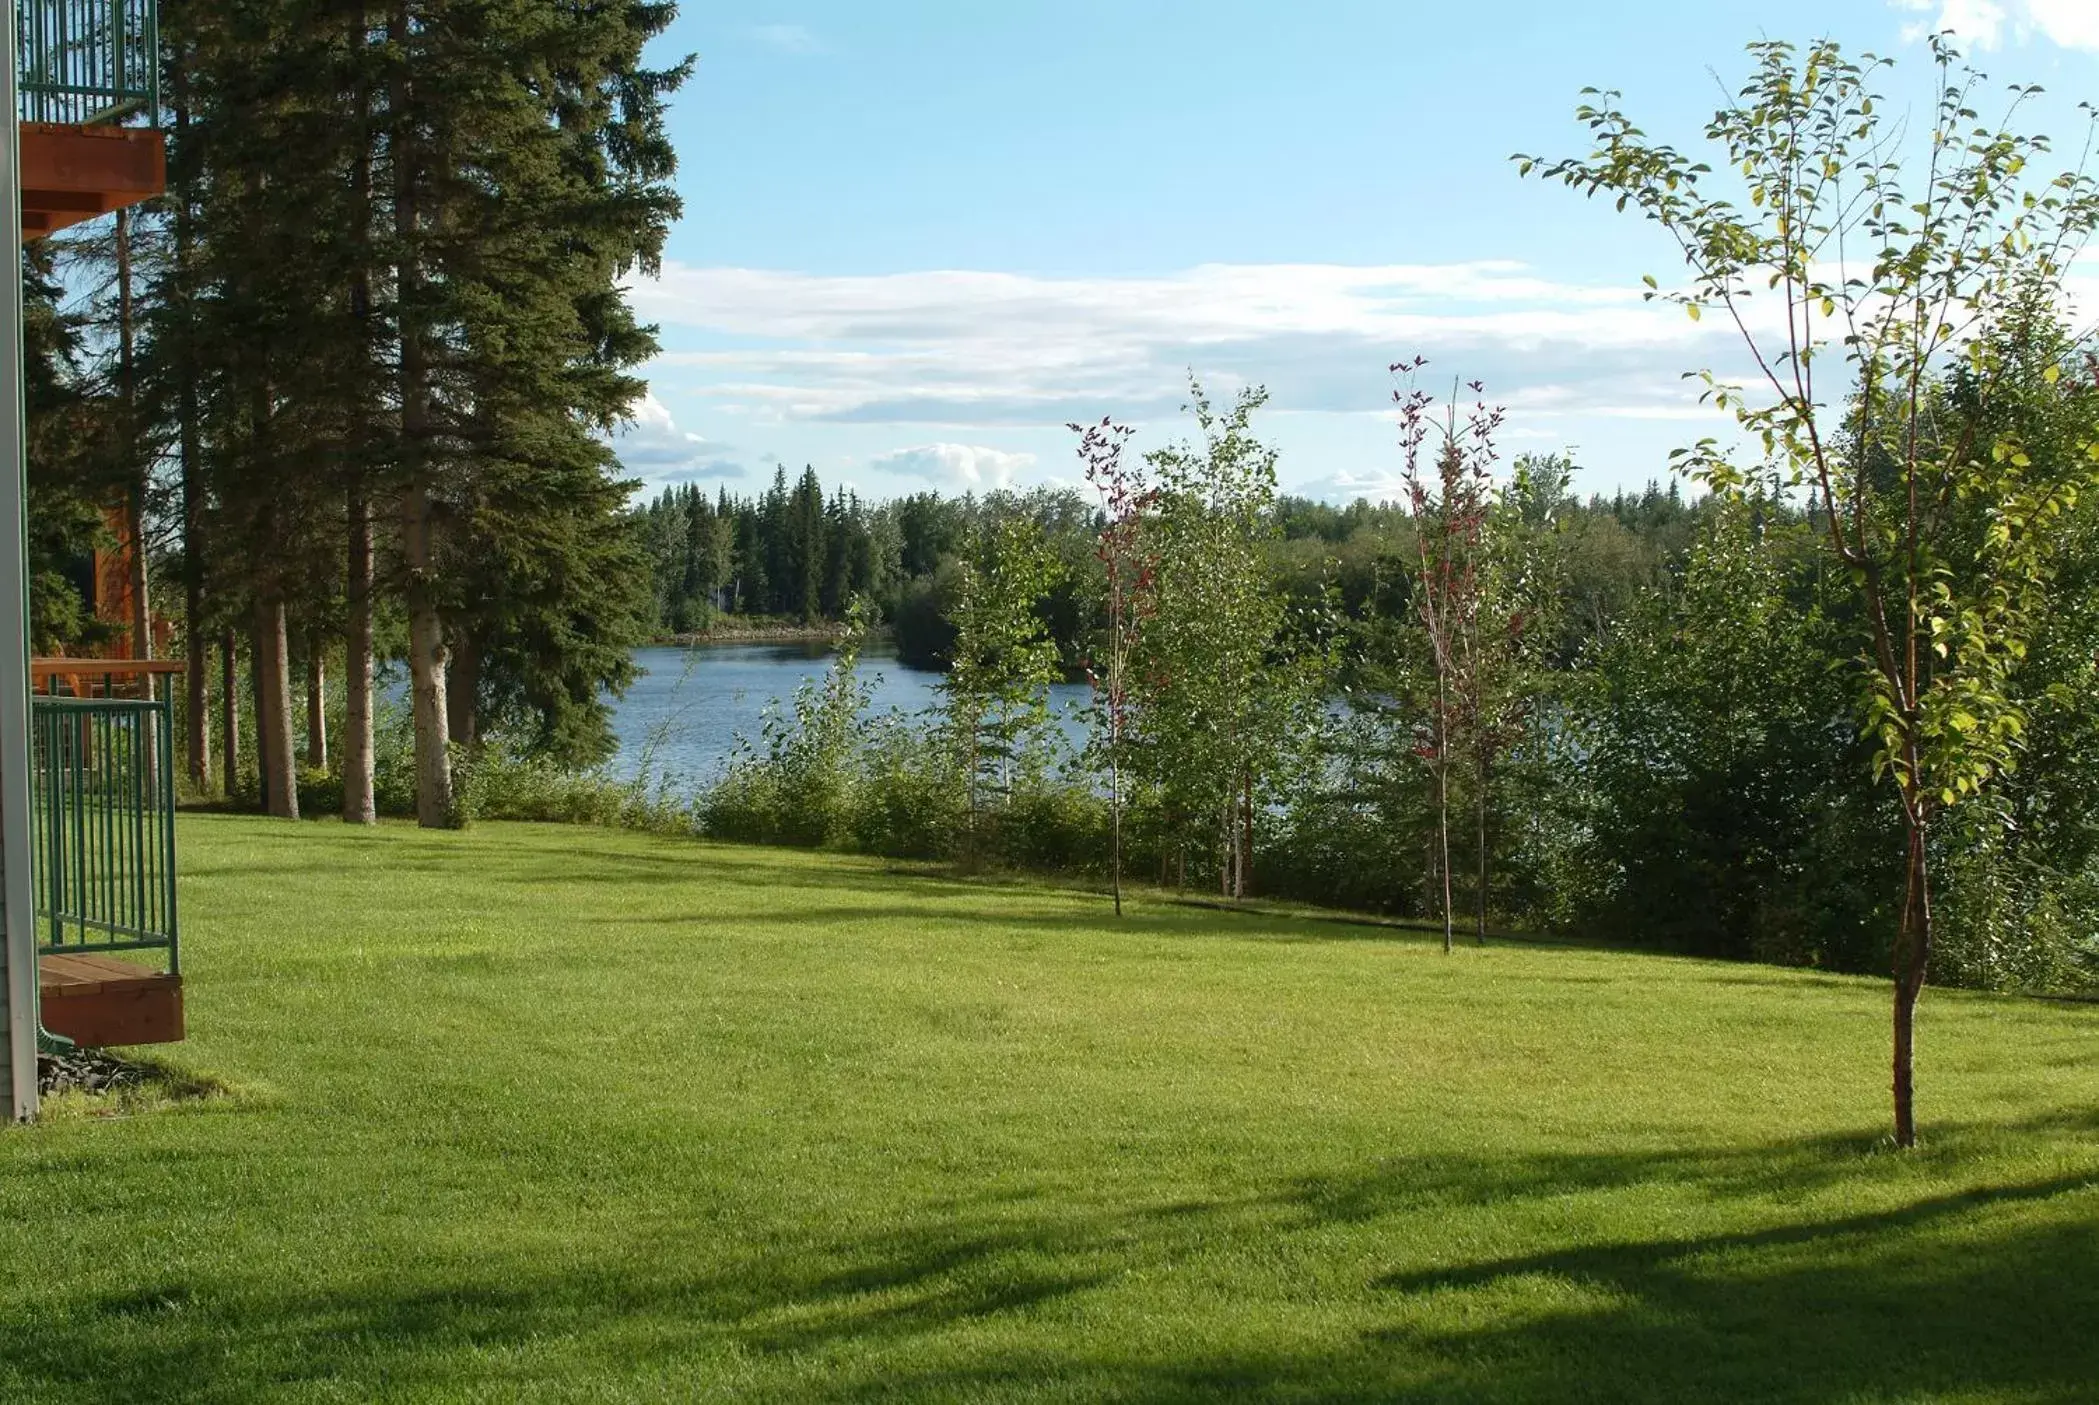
462 691
359 806
141 616
135 488
427 662
359 802
258 720
230 712
1912 962
435 805
127 409
187 415
273 705
316 706
196 688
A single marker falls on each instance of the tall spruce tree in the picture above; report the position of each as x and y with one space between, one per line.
530 171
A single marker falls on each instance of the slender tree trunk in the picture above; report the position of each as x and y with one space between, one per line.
258 701
1442 743
1912 962
196 675
1246 832
1480 817
135 564
428 658
273 703
196 686
359 806
196 661
127 409
316 705
1443 849
230 712
1115 821
359 802
971 765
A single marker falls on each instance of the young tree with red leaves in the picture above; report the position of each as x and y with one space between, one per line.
1450 515
1128 572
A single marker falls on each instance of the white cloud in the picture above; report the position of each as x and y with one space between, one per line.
1985 24
787 38
956 466
654 447
978 350
2074 24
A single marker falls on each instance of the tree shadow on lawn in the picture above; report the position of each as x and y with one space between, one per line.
1969 1290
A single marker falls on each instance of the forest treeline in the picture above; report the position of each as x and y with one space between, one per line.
799 554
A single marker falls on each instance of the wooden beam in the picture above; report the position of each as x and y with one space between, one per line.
70 174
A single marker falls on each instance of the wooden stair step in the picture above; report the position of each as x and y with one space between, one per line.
96 999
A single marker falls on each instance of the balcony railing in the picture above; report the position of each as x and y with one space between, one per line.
83 62
103 807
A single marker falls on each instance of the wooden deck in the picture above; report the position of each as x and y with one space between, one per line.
100 1000
72 173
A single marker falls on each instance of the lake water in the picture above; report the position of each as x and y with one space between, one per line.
688 706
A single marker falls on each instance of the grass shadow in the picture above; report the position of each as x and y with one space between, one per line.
1977 1292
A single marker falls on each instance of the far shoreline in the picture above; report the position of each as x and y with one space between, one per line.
828 634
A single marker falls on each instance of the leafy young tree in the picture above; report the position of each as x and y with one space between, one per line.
800 788
1450 525
1127 577
1520 579
1898 260
997 686
1222 694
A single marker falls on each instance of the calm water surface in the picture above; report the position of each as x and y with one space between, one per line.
684 713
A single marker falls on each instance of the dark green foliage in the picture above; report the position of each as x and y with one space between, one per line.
1725 794
790 553
67 480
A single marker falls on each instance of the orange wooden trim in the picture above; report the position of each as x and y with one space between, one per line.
74 173
115 668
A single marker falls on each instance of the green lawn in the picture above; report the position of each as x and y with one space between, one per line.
565 1114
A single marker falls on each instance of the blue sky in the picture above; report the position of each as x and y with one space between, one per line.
922 235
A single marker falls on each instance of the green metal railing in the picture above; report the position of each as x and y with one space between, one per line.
103 805
86 61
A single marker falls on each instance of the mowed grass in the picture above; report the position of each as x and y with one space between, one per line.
564 1114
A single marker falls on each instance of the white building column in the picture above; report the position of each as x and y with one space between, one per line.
17 893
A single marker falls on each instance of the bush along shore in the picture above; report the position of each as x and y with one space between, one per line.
730 629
